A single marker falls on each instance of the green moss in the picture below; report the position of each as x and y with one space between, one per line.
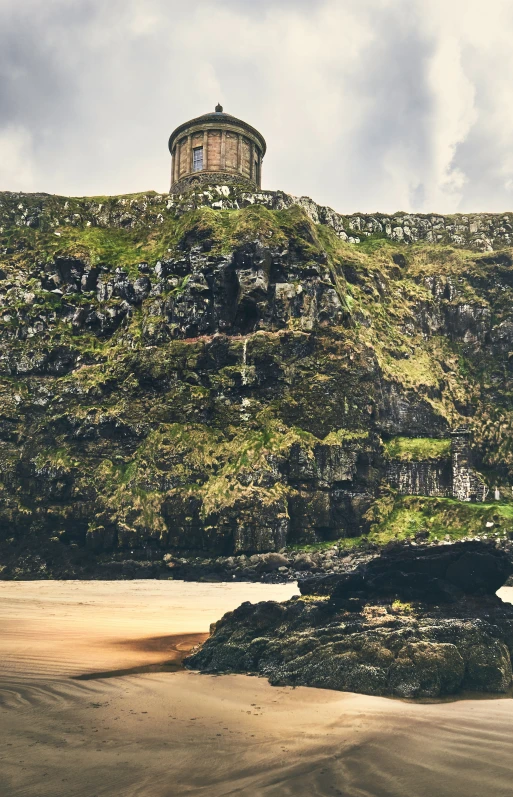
342 436
435 519
376 242
438 518
402 608
62 459
317 546
413 370
409 449
313 598
142 418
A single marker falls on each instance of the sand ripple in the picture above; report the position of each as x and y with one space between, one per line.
69 732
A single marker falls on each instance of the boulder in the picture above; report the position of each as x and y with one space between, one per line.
360 638
432 574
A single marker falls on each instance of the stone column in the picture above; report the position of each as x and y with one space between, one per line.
189 154
176 163
461 464
239 153
205 150
251 160
223 150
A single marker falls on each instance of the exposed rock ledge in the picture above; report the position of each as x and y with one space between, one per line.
361 636
484 232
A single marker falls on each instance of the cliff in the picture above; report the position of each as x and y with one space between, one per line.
228 372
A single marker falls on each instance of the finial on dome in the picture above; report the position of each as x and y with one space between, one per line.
219 108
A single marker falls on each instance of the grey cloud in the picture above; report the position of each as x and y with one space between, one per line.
395 131
343 92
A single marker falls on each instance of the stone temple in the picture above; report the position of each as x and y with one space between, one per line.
216 147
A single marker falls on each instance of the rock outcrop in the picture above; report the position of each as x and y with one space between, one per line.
442 574
455 636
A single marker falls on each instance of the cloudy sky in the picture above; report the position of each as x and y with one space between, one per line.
365 104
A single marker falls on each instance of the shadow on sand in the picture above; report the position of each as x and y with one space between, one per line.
176 646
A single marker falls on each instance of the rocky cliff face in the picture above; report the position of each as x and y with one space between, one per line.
227 372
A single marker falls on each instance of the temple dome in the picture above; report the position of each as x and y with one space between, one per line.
216 147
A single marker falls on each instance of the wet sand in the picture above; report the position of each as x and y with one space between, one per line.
74 724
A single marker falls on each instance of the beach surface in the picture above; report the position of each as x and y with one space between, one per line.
94 703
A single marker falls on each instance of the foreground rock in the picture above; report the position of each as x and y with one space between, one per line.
370 641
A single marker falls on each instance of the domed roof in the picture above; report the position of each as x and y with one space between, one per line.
217 116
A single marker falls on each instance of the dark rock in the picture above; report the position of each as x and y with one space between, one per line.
268 562
430 574
354 641
142 287
409 655
230 397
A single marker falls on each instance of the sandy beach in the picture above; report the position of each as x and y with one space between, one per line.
93 703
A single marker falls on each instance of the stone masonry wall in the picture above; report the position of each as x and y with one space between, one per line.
226 150
421 478
442 478
466 483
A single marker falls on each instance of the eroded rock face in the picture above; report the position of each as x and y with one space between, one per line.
479 231
351 641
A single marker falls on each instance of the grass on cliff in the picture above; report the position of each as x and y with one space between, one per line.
438 518
386 302
389 287
221 231
220 469
434 519
413 449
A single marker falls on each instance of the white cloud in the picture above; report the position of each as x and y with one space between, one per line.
454 114
16 167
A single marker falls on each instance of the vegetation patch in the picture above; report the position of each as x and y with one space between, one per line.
439 519
412 449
